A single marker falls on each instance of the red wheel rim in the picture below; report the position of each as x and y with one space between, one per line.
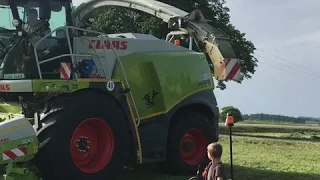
92 145
193 147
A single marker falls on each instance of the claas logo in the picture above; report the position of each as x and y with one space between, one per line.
4 87
118 45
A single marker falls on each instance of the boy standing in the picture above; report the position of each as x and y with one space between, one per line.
215 169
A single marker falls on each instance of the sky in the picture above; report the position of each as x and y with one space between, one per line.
287 36
287 80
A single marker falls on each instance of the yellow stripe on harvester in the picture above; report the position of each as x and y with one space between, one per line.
139 153
97 80
14 127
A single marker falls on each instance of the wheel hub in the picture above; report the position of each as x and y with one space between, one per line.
92 145
83 144
188 146
193 146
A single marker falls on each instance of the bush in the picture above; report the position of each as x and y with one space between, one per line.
235 112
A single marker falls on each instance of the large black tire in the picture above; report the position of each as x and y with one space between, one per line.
55 161
194 127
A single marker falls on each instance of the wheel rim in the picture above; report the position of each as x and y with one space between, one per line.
193 147
92 145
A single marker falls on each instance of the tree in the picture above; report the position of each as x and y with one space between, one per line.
235 112
115 20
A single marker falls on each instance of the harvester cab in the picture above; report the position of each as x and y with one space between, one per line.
25 23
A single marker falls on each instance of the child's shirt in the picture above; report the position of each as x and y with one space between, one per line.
216 170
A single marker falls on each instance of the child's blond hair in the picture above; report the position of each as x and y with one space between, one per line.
215 150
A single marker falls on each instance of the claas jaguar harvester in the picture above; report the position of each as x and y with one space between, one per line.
77 104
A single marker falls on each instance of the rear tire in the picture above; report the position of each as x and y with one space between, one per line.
91 120
189 136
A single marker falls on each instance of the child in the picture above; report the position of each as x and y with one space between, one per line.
215 169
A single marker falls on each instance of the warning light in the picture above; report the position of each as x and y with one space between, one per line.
197 16
229 120
177 42
230 123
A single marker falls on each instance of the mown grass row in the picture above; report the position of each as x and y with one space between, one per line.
285 132
262 128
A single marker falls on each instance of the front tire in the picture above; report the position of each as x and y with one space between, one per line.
90 140
189 136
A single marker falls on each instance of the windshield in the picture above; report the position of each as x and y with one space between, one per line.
6 17
29 12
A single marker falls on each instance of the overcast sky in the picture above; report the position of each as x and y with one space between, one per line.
288 29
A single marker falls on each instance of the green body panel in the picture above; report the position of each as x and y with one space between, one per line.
21 172
32 148
172 76
16 171
9 110
11 107
58 85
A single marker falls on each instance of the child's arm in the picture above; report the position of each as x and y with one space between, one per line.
220 173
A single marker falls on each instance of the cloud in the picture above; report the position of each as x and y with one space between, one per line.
232 3
313 37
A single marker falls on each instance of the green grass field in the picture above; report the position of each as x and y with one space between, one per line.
264 152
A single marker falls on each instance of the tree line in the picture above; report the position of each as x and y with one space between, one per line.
275 117
238 116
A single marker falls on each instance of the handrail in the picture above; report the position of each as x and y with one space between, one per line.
70 47
64 55
94 50
4 37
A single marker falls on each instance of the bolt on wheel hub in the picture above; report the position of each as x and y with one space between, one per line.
188 146
83 144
